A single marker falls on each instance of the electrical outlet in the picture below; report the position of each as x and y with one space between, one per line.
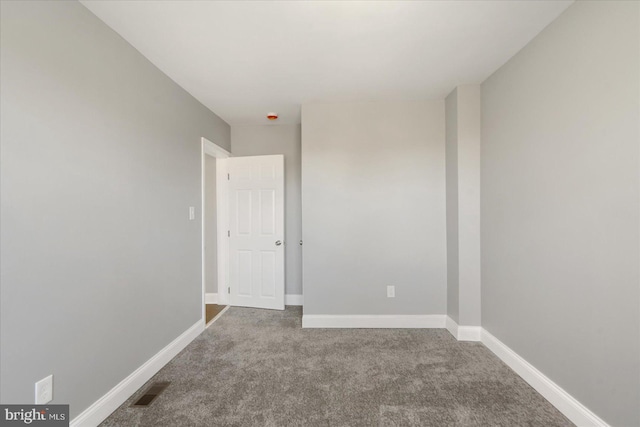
192 213
391 291
44 390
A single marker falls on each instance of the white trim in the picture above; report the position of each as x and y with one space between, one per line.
103 407
216 317
208 148
463 333
293 299
211 298
214 150
373 321
563 401
469 333
222 206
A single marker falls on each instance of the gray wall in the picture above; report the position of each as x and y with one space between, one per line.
463 204
100 162
280 139
373 191
451 150
560 214
210 226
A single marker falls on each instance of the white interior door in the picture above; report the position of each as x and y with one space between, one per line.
256 235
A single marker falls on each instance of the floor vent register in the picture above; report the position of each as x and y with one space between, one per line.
150 395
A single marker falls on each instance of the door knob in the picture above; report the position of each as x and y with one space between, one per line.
278 242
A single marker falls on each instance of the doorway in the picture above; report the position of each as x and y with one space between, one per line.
214 220
242 231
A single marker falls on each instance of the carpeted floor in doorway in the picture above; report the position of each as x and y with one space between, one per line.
259 368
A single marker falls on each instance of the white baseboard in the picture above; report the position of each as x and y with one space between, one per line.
373 321
469 333
103 407
210 298
563 401
463 333
293 299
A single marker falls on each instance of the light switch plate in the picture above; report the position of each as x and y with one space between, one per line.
391 291
192 213
44 390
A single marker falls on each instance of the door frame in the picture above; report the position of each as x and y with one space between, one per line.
209 148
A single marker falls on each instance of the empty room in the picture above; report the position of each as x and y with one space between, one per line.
319 213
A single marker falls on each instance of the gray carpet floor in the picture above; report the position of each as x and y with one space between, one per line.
259 368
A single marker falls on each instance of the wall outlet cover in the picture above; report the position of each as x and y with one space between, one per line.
44 390
391 291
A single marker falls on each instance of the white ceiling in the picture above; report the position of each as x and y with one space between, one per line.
243 59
